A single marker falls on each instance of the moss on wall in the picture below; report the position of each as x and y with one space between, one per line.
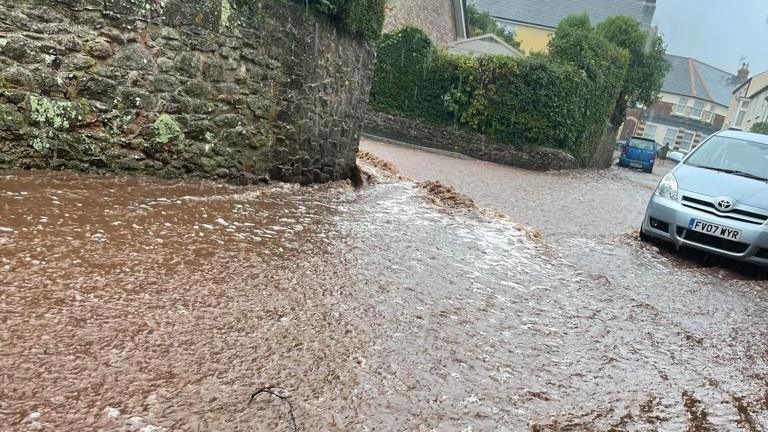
166 129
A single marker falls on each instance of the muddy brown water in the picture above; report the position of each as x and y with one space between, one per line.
134 304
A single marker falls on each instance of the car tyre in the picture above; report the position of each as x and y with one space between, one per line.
643 236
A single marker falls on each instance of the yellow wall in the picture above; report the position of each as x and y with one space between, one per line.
532 39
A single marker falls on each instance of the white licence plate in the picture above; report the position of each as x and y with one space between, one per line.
636 165
714 230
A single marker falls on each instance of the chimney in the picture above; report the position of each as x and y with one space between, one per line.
743 74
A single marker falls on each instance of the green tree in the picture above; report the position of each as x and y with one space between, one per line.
647 63
577 43
481 23
761 128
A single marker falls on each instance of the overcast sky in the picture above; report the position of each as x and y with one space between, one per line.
717 32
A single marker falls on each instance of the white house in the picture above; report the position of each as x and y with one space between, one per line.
693 105
749 104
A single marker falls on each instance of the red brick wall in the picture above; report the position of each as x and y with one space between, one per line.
718 121
630 124
435 17
662 108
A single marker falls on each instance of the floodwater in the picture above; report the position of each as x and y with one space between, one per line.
134 304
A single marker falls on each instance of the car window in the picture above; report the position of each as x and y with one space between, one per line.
731 154
642 144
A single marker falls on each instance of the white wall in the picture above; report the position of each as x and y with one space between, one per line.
755 110
690 102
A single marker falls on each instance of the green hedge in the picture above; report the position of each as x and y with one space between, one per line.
411 78
364 18
361 17
532 101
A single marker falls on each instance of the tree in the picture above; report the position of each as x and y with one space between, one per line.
647 63
576 42
761 128
481 23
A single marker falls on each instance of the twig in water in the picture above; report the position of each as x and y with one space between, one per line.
271 391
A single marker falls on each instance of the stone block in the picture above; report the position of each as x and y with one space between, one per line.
19 49
229 121
97 88
133 57
197 89
77 62
99 48
189 64
17 76
11 120
164 83
135 98
59 114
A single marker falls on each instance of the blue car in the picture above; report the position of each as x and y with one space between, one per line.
639 153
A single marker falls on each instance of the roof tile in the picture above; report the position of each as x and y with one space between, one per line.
549 13
690 77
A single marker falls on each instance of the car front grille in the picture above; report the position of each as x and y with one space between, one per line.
712 241
735 214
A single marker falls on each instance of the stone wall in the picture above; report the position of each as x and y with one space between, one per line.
180 87
435 17
465 142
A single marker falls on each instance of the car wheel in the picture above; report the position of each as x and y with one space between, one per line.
650 170
643 236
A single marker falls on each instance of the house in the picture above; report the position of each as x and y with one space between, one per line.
534 21
444 21
487 44
749 104
693 104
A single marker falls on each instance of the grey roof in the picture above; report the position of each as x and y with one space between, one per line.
487 44
549 13
690 77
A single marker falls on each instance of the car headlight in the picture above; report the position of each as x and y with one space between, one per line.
667 187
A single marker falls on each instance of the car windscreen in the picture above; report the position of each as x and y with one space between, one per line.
642 144
736 156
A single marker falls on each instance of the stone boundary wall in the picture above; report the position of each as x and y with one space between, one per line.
180 88
465 142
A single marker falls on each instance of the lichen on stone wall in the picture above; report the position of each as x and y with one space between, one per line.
166 129
225 14
58 114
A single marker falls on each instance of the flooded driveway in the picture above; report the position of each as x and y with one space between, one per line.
133 304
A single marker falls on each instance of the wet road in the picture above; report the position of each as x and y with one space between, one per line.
133 304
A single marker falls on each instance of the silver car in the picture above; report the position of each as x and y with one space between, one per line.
716 200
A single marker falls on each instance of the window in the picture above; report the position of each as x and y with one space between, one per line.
650 131
732 154
745 103
740 118
670 137
642 144
687 141
681 106
509 27
698 107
